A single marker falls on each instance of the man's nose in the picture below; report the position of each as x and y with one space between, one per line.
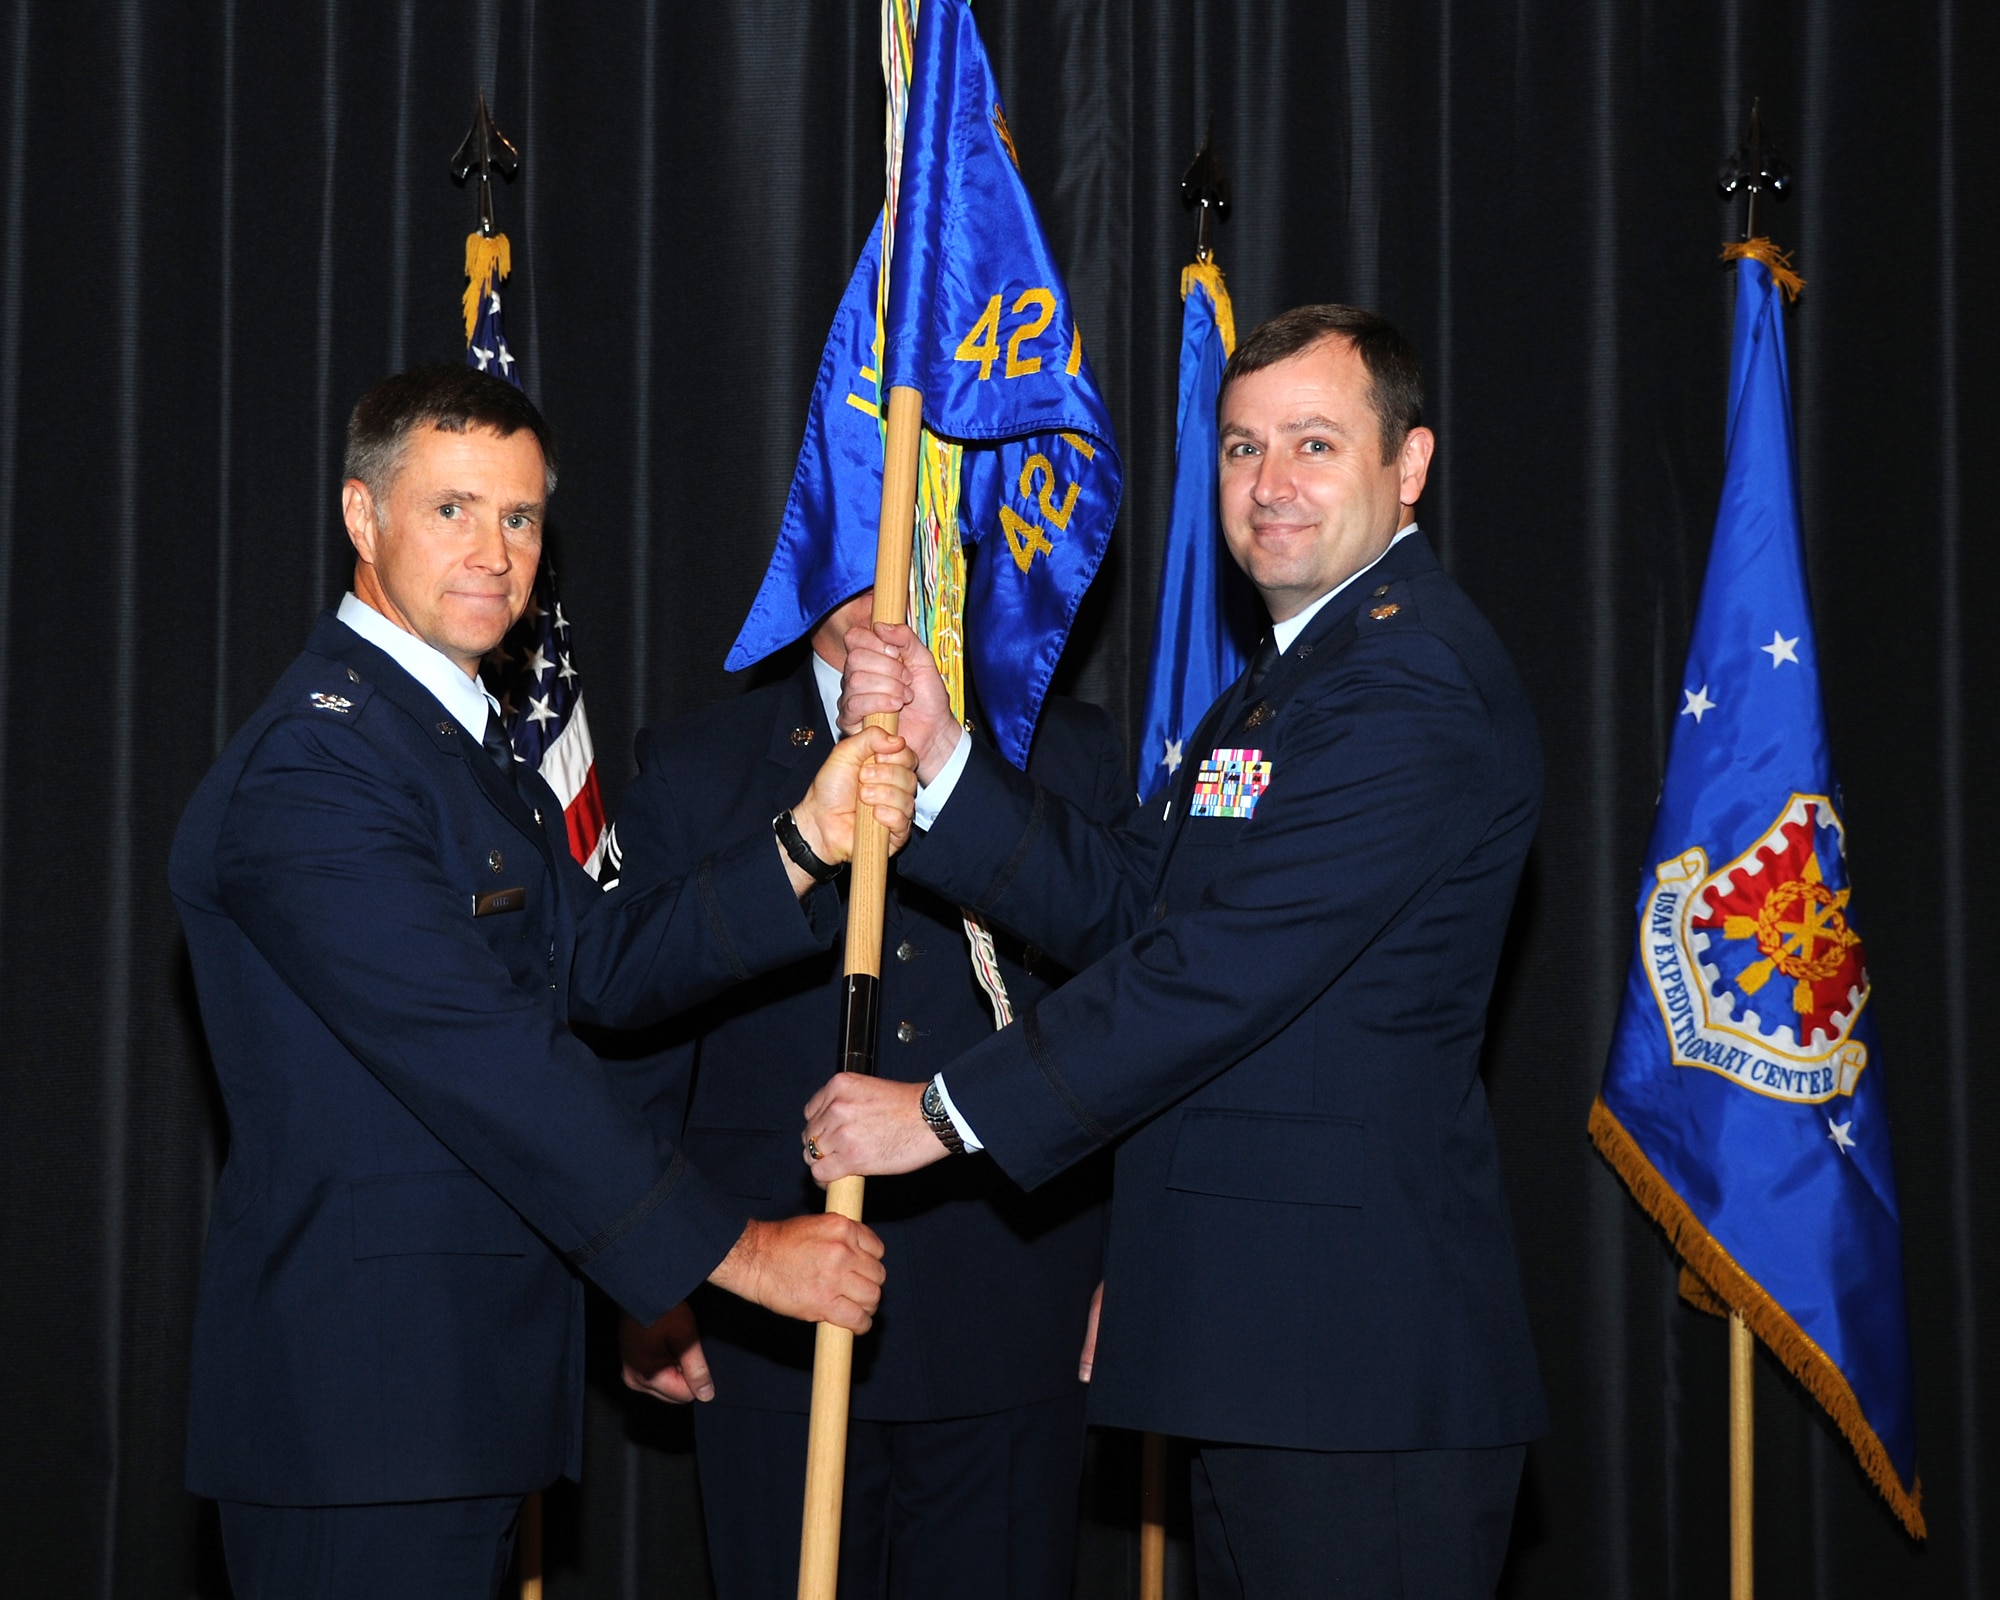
1274 481
489 549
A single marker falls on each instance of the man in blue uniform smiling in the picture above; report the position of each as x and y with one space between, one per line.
389 938
1283 976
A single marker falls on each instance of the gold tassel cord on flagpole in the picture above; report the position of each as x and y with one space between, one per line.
1779 261
1209 276
488 259
1728 1284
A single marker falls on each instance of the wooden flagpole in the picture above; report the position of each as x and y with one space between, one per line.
1742 1439
531 1547
833 1350
1153 1517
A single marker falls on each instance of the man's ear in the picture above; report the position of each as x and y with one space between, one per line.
1415 463
357 510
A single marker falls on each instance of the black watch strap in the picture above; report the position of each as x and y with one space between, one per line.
940 1120
802 854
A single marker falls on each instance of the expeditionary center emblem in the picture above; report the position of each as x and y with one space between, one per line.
331 702
1758 973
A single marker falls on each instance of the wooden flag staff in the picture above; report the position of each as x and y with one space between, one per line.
1152 1517
1742 1439
1753 170
833 1350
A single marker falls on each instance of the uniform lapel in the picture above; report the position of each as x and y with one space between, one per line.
1329 633
800 737
381 671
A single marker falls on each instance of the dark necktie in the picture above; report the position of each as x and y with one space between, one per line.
495 744
1261 662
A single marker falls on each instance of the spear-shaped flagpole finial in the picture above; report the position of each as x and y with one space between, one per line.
486 150
1204 185
1756 168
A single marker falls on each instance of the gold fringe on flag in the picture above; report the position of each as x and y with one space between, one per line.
1712 1280
487 259
1779 261
1209 276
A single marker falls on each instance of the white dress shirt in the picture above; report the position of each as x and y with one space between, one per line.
463 695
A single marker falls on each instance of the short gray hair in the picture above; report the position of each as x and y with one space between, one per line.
443 395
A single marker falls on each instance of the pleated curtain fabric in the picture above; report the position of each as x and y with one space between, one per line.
220 222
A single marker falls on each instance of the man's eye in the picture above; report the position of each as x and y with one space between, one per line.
448 511
1318 447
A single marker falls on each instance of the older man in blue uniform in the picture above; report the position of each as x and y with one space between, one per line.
1284 972
966 1442
389 939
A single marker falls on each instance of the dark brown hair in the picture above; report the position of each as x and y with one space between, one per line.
444 395
1395 376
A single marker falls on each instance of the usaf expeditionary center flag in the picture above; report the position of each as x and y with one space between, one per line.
1744 1099
1205 604
978 319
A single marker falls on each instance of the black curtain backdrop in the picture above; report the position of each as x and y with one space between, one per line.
223 221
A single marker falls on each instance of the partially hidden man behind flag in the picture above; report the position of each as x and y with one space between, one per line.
1744 1101
977 318
532 673
1205 604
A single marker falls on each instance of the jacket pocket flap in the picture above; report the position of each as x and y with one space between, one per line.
1259 1155
434 1214
738 1161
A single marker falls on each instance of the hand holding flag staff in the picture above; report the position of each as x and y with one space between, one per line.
953 406
1744 1101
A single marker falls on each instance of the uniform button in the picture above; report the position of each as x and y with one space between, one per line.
1160 909
906 1032
1381 591
353 676
495 860
906 951
552 952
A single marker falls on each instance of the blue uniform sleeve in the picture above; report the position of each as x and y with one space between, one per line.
1379 796
332 869
1041 866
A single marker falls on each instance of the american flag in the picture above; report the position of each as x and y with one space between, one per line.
533 671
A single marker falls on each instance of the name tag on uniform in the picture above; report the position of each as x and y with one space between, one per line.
499 900
1230 783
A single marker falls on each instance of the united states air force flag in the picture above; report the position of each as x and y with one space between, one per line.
1744 1099
1206 605
978 319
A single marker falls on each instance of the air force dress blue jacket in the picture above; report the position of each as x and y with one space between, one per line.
1282 980
989 1288
389 939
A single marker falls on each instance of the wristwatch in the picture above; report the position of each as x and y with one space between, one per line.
803 855
940 1120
